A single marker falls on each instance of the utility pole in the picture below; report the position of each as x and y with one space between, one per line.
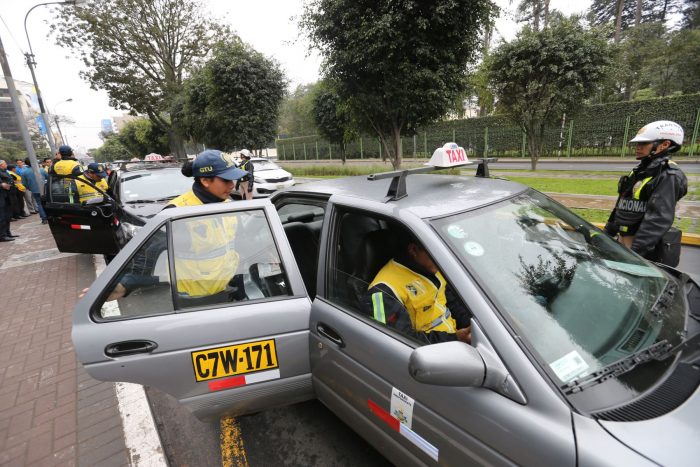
20 117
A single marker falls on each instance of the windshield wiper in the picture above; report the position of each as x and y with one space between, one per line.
658 351
140 201
664 299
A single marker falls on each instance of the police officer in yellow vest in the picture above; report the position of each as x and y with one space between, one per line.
67 165
205 260
410 294
648 195
96 175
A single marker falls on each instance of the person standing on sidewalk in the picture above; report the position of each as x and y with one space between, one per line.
6 183
646 206
35 188
19 209
245 184
25 171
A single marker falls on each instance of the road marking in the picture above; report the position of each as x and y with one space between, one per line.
140 433
232 449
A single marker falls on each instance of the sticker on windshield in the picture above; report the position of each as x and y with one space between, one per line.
401 407
569 366
456 231
633 269
474 249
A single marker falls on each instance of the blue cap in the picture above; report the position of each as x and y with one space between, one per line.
65 150
212 163
97 169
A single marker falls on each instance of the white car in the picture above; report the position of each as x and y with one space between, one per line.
269 177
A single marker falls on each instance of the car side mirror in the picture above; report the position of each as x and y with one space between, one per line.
447 364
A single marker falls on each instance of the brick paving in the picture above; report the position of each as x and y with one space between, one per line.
51 411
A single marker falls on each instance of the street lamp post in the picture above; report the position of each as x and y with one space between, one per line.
31 63
55 119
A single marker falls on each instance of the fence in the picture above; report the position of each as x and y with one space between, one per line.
569 138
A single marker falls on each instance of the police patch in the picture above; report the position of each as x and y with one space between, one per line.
412 289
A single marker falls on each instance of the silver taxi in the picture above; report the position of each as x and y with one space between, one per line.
582 352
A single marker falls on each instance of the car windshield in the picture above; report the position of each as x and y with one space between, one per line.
265 165
579 300
153 185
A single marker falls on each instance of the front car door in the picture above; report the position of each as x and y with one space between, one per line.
361 367
210 308
90 226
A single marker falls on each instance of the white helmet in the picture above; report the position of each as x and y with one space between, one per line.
659 131
245 153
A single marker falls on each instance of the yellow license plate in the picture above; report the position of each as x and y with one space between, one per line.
234 360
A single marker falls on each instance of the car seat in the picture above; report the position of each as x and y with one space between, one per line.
305 249
375 250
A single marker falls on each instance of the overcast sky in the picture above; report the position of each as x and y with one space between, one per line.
268 25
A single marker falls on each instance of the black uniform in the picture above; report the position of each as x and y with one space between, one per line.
5 204
647 204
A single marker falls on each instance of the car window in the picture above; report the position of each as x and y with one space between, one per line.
143 286
222 259
374 276
153 185
66 190
265 165
292 212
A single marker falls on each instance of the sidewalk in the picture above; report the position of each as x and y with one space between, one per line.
51 411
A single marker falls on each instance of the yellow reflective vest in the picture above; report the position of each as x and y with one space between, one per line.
65 167
87 192
208 262
18 181
424 302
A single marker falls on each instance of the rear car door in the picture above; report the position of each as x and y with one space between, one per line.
89 227
223 337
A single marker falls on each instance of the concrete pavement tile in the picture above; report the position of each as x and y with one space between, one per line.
68 440
14 456
48 417
64 425
106 451
39 447
110 423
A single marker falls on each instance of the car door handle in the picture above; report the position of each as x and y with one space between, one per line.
119 349
330 334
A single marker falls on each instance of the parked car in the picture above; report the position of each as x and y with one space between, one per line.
137 191
582 352
269 177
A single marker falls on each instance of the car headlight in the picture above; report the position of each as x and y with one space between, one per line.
130 229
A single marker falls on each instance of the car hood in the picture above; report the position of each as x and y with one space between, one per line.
144 211
671 439
274 173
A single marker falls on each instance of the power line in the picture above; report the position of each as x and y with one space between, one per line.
11 35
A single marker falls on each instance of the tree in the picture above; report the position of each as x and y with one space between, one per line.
627 13
532 11
141 137
112 150
332 116
398 64
691 14
296 113
540 75
11 150
139 51
233 101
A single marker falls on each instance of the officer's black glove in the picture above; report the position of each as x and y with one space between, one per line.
611 229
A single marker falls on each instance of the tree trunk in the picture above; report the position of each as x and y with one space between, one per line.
397 156
535 138
545 16
177 144
618 20
638 14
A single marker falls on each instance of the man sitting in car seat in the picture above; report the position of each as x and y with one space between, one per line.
410 294
96 175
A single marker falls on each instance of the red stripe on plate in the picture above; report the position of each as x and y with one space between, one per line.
384 415
227 383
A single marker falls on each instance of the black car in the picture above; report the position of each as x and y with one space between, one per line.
136 192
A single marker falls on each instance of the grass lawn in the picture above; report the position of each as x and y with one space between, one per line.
584 186
600 216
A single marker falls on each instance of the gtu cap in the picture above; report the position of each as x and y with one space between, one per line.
214 163
98 169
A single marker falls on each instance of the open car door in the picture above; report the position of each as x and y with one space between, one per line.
89 226
211 310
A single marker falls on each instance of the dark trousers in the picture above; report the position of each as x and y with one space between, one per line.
40 208
17 200
5 215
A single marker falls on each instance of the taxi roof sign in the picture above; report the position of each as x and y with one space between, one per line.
450 155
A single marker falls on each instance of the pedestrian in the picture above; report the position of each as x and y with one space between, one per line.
6 182
245 184
25 171
94 174
35 188
19 209
644 213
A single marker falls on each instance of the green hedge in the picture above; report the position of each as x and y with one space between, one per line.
594 130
